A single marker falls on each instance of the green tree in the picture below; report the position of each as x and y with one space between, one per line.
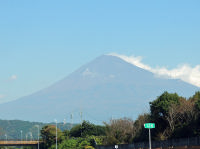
48 134
66 134
87 129
74 143
159 109
67 144
196 99
83 143
141 133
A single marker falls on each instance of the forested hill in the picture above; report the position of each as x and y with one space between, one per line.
12 128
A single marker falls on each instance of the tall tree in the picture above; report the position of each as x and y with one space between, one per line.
87 129
48 134
160 110
120 131
141 132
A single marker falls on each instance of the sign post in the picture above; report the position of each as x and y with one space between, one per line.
149 126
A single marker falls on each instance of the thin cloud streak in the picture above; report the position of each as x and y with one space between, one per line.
13 77
184 72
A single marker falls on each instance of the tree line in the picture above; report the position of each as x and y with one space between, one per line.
174 116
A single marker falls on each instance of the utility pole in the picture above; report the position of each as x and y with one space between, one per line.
21 135
6 139
149 138
38 135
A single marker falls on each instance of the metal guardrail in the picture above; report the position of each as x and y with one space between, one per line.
194 141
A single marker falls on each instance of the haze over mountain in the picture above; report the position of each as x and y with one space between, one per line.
108 86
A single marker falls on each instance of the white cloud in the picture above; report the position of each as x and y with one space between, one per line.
184 72
13 77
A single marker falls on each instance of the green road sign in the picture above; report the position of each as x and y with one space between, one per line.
149 125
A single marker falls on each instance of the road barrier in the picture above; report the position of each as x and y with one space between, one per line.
180 143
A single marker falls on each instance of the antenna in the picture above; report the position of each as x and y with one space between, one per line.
81 115
71 117
64 121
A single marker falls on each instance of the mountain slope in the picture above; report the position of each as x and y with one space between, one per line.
105 87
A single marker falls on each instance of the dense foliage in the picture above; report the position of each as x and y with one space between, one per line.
87 129
48 134
174 116
85 135
119 131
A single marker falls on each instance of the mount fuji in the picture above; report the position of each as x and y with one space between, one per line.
104 88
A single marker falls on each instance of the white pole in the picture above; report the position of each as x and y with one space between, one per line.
6 139
38 137
149 138
56 134
81 122
21 135
31 135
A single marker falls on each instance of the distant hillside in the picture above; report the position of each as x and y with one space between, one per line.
12 128
104 88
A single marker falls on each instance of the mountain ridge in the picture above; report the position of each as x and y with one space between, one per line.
102 88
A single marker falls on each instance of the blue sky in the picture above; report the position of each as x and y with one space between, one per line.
43 41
